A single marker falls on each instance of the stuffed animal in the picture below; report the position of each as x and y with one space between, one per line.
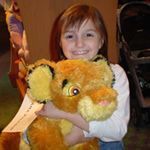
75 86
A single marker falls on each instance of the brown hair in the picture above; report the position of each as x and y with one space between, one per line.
75 16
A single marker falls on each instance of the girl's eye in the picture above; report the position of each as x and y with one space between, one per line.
89 35
69 36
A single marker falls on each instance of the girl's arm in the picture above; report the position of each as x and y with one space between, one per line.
51 111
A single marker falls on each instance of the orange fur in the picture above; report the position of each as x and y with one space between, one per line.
92 80
9 141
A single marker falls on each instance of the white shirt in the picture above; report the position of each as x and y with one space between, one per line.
114 128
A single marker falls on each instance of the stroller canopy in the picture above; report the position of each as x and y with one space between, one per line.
134 25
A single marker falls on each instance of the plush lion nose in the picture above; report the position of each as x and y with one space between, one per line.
104 103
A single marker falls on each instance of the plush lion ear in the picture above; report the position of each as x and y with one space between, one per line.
39 78
106 72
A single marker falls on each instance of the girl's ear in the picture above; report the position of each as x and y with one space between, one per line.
101 43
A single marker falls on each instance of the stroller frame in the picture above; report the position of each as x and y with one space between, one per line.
131 54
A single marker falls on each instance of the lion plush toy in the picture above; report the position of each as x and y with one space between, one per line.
73 86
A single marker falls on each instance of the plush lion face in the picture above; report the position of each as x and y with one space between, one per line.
74 86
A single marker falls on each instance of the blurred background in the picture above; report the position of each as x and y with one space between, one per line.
12 86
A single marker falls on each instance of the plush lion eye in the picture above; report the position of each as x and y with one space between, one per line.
71 90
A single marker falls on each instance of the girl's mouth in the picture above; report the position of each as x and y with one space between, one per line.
80 52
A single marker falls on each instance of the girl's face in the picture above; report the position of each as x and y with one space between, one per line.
83 42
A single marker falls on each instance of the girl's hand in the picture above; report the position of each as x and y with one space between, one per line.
76 136
50 111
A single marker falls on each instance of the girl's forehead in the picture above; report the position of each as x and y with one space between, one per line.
77 25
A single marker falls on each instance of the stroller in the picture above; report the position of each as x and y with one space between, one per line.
134 38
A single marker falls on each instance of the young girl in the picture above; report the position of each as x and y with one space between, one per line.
81 34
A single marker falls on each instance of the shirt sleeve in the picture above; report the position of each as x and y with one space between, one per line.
114 128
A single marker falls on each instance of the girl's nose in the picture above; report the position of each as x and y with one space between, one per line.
79 42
